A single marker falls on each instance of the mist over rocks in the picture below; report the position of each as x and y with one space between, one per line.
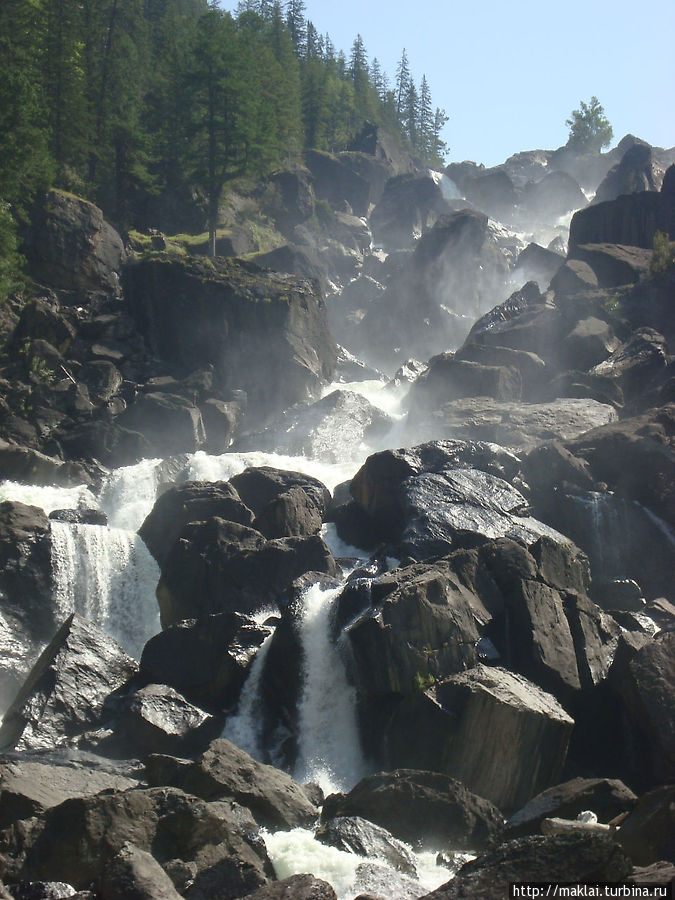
496 640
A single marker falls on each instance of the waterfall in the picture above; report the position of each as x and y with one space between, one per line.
108 576
244 728
129 494
329 750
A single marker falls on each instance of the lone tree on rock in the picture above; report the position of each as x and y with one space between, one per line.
590 130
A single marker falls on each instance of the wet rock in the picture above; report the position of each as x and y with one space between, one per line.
28 466
219 566
354 834
409 205
590 342
191 501
637 362
47 890
493 192
292 514
648 834
221 421
426 808
559 858
199 845
137 875
260 485
28 618
29 787
65 693
466 717
206 659
328 429
71 247
79 516
297 887
337 183
607 797
224 771
250 321
449 378
102 378
292 200
530 366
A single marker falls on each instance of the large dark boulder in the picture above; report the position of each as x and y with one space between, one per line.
223 771
530 367
409 206
291 199
296 887
606 797
493 192
637 364
29 617
136 875
648 834
337 183
465 719
219 566
202 848
449 378
614 264
634 173
71 247
422 808
455 272
537 264
169 423
66 691
191 501
206 659
541 859
354 834
239 318
258 486
551 197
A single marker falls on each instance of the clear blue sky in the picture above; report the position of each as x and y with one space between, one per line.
509 72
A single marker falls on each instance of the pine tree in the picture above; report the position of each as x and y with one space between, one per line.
402 84
426 121
439 148
295 20
411 114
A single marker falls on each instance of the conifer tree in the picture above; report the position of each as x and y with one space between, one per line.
295 20
402 84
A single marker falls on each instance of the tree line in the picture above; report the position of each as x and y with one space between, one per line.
123 100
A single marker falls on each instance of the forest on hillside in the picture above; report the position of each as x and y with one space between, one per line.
125 100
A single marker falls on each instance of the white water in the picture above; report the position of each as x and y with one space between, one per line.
108 576
244 729
294 852
329 751
48 497
129 494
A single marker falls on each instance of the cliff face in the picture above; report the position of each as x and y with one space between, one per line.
264 332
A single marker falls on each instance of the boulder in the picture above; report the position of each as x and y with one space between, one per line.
448 378
493 192
42 319
137 875
258 486
219 566
375 141
28 466
326 429
648 834
224 771
202 847
191 501
530 366
169 423
29 787
103 380
606 797
249 321
221 420
563 859
65 693
337 183
296 887
574 276
634 173
292 514
455 273
551 197
421 808
537 264
520 426
589 343
410 204
292 200
206 659
71 247
614 264
467 717
354 834
636 364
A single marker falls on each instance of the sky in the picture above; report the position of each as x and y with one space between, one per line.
508 73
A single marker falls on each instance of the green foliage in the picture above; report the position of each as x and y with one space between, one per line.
590 130
10 260
663 256
422 683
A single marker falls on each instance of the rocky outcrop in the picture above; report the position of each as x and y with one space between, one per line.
409 206
338 184
476 709
135 874
614 264
548 859
537 264
66 691
455 271
297 887
420 808
219 566
250 321
71 247
634 173
648 834
546 200
224 771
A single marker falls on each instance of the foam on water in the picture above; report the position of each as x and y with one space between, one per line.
48 497
244 728
129 493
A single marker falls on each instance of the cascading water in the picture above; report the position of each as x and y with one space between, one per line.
108 576
329 748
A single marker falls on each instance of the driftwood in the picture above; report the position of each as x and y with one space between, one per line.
572 826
